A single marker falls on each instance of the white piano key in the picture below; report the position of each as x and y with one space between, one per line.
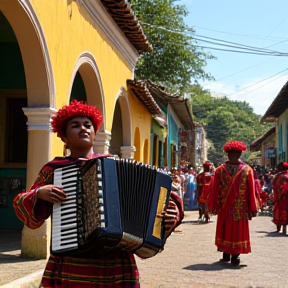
59 247
67 233
70 231
69 174
63 222
68 205
70 199
68 210
71 194
60 237
68 189
71 179
69 226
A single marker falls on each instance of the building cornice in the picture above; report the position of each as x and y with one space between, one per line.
110 30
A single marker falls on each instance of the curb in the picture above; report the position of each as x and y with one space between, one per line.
30 281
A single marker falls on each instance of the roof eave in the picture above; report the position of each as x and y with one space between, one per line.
278 106
124 17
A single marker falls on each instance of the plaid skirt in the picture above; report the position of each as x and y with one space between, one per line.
116 270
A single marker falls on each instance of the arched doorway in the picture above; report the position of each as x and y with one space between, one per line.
19 79
29 89
121 132
117 132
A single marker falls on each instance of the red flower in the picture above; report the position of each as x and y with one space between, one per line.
234 146
75 109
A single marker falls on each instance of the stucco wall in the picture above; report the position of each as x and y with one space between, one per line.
283 120
68 34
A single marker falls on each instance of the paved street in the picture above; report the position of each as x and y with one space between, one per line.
190 259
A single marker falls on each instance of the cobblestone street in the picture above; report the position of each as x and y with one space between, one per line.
190 259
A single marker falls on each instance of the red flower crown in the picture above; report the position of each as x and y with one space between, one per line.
207 164
75 109
285 165
234 146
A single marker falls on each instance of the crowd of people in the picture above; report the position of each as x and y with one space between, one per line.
234 191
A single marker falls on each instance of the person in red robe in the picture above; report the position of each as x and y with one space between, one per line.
233 200
76 125
204 181
261 196
280 198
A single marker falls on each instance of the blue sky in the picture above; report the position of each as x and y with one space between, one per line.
255 79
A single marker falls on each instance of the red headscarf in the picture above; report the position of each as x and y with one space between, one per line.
234 146
75 109
207 164
285 165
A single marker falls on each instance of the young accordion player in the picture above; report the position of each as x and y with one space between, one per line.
76 124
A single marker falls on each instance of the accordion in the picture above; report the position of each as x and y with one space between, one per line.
111 204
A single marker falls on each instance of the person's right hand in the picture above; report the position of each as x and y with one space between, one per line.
51 194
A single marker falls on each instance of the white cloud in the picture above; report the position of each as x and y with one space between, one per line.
259 96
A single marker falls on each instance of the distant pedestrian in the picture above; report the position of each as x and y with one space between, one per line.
204 181
261 195
190 193
280 198
233 200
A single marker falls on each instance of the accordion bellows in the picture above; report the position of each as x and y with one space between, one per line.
112 204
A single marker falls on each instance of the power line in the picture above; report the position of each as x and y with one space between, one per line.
263 85
260 37
236 45
253 50
277 54
257 82
241 35
235 73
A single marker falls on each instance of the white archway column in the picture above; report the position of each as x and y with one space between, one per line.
102 142
127 152
36 243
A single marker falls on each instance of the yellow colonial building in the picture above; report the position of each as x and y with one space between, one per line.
50 53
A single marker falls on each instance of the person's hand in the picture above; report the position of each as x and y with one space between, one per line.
51 194
171 218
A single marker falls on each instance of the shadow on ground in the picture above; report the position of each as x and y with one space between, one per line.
272 234
216 266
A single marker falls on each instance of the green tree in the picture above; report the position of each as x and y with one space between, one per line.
175 59
217 157
225 120
219 126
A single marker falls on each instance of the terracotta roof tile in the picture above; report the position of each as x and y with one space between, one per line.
141 91
124 17
151 94
179 104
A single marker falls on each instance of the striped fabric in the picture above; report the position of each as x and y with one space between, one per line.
111 271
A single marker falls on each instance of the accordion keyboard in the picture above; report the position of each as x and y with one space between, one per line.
64 222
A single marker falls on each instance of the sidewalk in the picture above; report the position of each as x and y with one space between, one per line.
12 266
189 260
